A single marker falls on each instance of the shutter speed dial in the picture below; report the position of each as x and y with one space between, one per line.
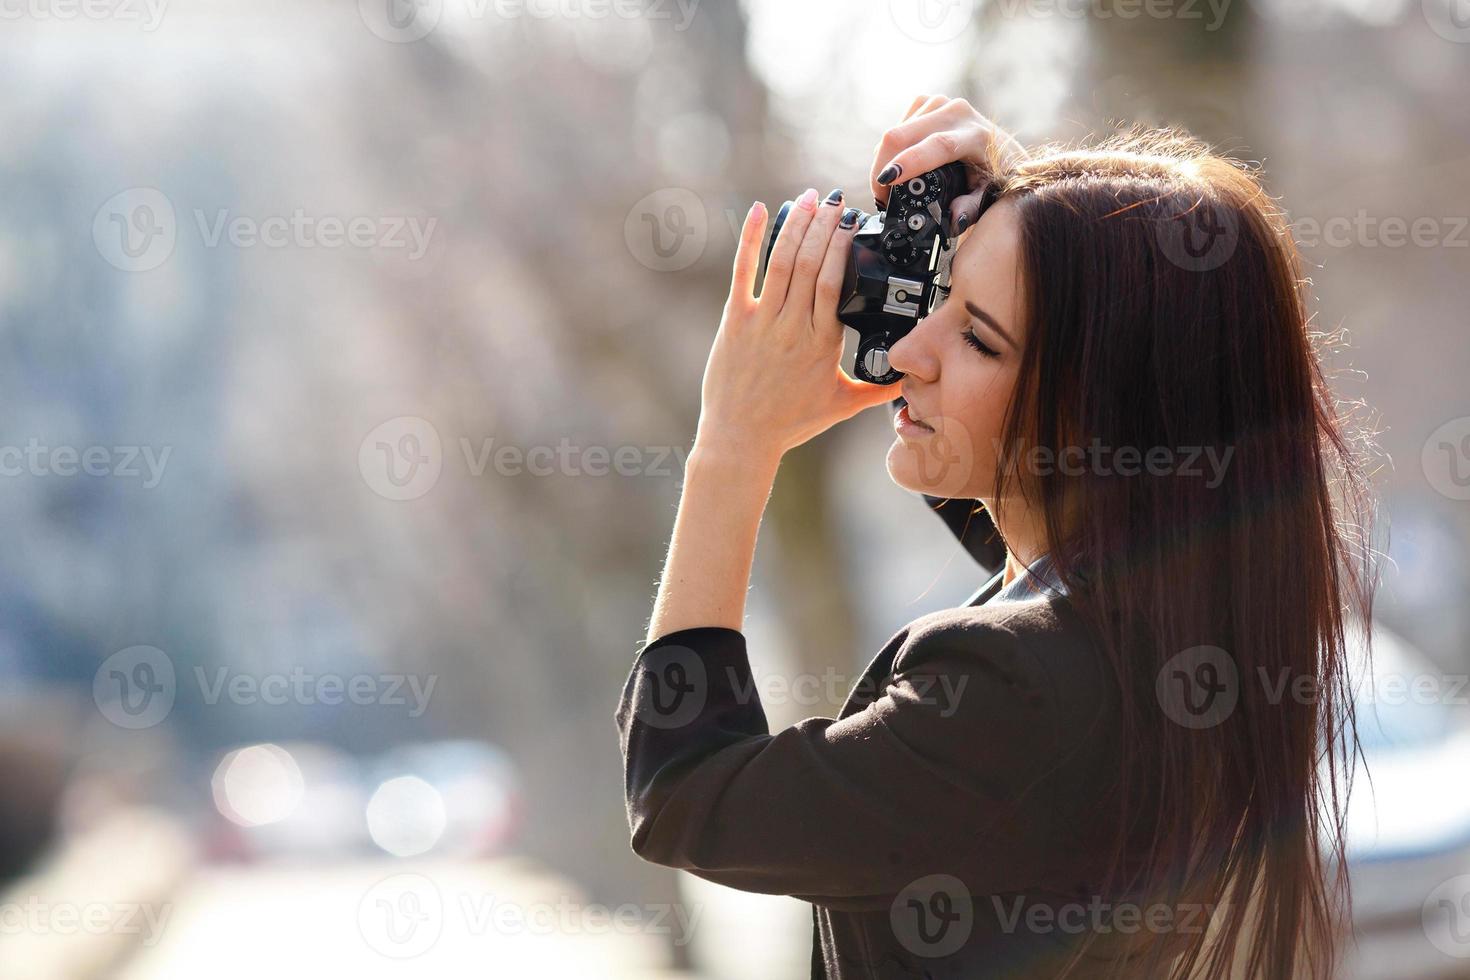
876 362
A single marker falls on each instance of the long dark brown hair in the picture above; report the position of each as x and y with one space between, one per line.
1166 307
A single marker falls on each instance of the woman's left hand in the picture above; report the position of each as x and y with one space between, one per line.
774 377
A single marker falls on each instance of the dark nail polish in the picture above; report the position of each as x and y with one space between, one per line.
835 197
849 218
879 205
962 223
889 174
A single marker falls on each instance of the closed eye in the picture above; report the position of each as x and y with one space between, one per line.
980 345
990 322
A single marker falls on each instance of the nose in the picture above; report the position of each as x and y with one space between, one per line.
913 354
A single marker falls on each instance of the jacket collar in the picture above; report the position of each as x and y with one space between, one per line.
1039 579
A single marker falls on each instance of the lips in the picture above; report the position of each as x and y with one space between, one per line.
913 414
905 416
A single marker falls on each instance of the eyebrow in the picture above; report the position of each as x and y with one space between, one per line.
989 320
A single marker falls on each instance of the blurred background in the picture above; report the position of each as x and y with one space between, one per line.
349 352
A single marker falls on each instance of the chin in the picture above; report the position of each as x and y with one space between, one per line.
931 465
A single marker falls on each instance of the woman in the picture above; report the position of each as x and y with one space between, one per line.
1106 763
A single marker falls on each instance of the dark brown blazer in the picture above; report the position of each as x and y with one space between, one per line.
945 824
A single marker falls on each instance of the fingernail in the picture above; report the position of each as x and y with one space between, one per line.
849 218
889 173
808 199
962 223
879 204
756 210
835 197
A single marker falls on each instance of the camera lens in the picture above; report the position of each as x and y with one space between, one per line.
780 220
776 230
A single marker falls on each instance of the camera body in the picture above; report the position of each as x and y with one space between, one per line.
898 271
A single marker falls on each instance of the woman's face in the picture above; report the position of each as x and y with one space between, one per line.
961 364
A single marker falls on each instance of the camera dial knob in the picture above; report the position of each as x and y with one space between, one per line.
876 362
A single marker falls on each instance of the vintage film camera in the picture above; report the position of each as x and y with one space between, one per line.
898 271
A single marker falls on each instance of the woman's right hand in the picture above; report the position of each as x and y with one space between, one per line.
938 130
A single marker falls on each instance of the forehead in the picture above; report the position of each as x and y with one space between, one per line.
985 269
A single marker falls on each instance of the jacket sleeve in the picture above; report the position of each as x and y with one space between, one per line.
952 768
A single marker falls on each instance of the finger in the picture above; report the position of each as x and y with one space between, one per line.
903 133
748 254
965 211
809 257
923 104
936 102
919 123
834 270
934 150
783 253
916 105
859 395
945 113
888 146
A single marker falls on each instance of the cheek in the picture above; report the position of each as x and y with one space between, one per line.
988 396
959 460
985 394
